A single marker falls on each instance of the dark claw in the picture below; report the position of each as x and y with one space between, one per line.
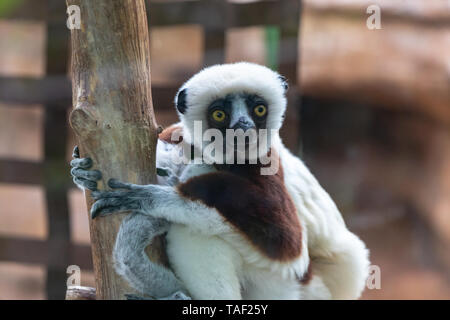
94 214
95 209
108 210
107 206
99 205
76 152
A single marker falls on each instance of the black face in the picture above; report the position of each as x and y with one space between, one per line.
259 110
238 111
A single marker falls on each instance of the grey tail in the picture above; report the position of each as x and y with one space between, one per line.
131 262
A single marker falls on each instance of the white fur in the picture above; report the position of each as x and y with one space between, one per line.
337 255
206 265
212 259
204 241
215 261
218 81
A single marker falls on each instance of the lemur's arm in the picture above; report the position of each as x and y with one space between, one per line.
257 207
337 255
159 202
145 199
136 232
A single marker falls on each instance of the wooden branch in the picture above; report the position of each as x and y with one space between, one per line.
80 293
113 114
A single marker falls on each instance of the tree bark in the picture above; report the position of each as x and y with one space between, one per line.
80 293
113 114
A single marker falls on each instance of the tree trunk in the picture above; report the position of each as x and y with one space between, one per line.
80 293
113 114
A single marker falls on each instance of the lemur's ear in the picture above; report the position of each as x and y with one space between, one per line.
284 82
181 101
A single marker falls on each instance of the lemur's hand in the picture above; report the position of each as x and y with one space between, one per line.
82 177
134 197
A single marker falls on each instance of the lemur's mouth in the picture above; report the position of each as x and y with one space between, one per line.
245 147
247 142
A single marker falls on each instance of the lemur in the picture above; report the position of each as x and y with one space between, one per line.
232 233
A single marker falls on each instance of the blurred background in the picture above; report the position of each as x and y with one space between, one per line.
369 113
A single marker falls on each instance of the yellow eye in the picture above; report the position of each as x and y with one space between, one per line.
218 115
260 110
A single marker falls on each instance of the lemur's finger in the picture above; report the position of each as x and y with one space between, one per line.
97 195
85 184
86 174
109 205
104 212
76 152
116 184
83 163
109 210
101 204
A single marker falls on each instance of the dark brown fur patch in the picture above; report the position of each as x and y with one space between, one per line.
259 206
166 134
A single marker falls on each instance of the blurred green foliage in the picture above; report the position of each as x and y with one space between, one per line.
272 35
8 6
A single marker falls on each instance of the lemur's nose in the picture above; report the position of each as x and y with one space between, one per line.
243 120
243 123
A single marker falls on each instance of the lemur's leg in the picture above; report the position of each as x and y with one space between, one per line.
159 202
344 268
207 265
267 285
135 234
82 177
